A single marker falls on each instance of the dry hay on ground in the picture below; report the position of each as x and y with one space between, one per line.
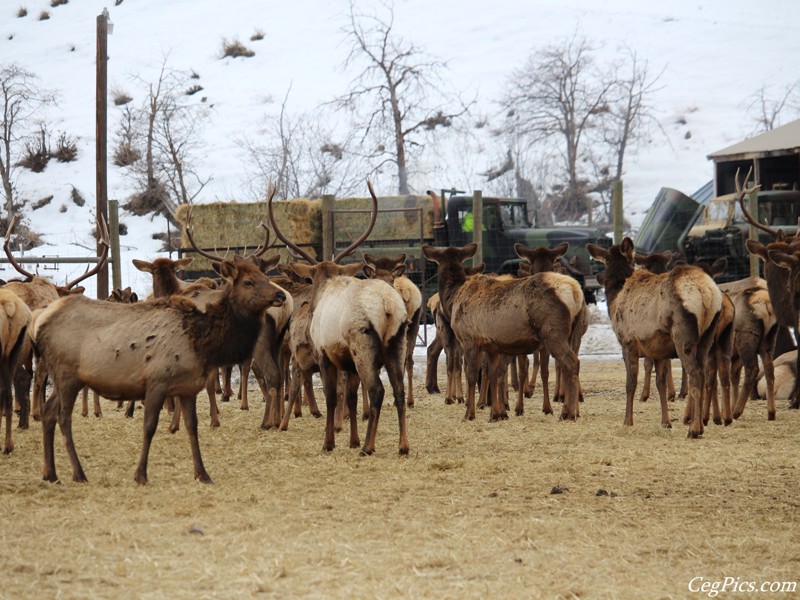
469 514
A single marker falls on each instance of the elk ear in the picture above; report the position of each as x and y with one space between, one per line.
143 265
757 248
431 253
226 269
368 258
522 250
134 297
469 251
182 263
302 270
400 266
561 249
352 269
627 249
597 252
268 264
718 266
369 270
783 260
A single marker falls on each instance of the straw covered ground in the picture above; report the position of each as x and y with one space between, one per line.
473 512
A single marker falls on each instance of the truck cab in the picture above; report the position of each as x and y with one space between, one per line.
505 223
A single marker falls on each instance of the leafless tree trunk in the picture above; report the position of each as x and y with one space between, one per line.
21 99
766 109
400 90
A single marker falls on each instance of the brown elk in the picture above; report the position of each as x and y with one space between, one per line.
37 293
357 326
15 317
434 350
660 316
781 271
755 330
511 317
147 350
392 271
543 260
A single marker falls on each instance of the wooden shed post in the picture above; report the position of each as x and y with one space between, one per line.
477 222
328 201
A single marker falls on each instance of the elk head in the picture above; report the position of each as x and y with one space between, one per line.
541 259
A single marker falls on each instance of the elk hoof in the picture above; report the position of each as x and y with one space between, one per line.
795 404
328 447
449 401
644 398
203 478
317 414
215 423
355 443
244 407
770 416
547 411
717 421
666 425
736 415
365 416
367 451
469 417
8 449
728 422
519 412
694 435
410 404
567 417
404 450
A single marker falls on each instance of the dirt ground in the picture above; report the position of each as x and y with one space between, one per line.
472 512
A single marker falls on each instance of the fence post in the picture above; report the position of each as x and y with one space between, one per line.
101 123
752 206
327 204
113 224
477 222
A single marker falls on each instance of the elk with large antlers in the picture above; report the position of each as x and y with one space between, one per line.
510 317
782 272
661 316
147 350
356 326
37 293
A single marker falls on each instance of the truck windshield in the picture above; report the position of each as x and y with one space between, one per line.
514 216
779 212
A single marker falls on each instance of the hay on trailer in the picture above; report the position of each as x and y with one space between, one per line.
220 226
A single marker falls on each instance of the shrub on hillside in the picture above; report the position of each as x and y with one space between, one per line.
235 48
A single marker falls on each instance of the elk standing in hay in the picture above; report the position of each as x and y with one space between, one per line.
37 293
147 350
660 316
392 271
782 272
15 316
357 326
509 317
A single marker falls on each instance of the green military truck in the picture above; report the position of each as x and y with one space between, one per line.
703 227
404 224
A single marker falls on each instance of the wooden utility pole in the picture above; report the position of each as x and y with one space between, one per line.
477 225
616 203
328 202
101 159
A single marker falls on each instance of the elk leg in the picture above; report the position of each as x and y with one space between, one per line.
130 409
98 411
189 409
338 414
670 382
514 376
295 402
364 403
68 396
39 388
724 366
537 359
85 401
365 362
329 375
213 409
544 365
472 368
153 402
409 369
268 371
495 373
794 397
632 373
458 367
49 416
648 371
226 374
567 360
750 362
175 423
8 407
432 364
395 372
522 366
308 386
353 383
661 368
769 374
244 373
22 389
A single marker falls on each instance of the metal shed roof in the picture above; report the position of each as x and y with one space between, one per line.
779 141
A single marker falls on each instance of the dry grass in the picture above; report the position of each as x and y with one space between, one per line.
469 514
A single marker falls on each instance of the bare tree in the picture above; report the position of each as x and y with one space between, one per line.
766 108
21 100
400 90
164 130
560 93
302 157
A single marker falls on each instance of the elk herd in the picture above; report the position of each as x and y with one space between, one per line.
347 322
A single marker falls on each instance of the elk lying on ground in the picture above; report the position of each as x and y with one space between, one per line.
391 270
681 307
509 317
357 326
147 350
15 316
781 270
785 376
